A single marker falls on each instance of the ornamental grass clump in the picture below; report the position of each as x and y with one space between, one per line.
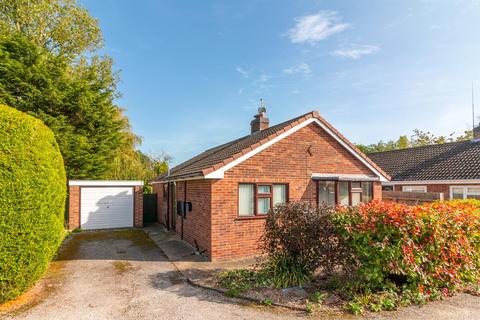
32 200
426 249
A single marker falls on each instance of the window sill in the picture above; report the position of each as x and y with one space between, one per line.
258 217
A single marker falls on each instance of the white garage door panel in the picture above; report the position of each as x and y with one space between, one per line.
106 207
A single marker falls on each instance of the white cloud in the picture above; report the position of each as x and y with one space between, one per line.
243 72
356 52
301 68
316 27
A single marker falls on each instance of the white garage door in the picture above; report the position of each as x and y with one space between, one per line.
106 207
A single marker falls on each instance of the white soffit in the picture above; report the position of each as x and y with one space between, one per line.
105 183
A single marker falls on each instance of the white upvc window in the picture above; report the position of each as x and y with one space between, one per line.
465 192
414 188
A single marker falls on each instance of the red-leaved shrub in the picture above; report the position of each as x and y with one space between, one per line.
427 247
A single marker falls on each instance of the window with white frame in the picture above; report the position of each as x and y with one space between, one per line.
258 198
465 192
414 188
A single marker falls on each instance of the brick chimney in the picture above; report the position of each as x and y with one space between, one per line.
260 122
476 133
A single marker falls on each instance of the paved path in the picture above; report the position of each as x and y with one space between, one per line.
123 275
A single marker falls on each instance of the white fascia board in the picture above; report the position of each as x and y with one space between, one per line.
105 183
219 174
421 182
177 180
345 176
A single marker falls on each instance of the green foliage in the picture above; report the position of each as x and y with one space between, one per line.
318 297
49 68
299 238
288 271
309 308
60 26
418 139
76 103
430 249
240 280
267 302
32 200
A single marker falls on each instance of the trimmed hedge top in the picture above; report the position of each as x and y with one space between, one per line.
32 200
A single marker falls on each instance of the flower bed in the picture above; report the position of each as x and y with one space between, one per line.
374 257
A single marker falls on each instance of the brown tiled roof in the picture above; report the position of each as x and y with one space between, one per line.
449 161
215 158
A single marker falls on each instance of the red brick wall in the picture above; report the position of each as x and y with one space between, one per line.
445 188
73 207
197 225
138 207
287 161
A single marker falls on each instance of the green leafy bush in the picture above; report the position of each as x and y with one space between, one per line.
32 200
300 237
240 280
432 248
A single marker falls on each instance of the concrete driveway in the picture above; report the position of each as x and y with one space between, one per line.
120 275
124 275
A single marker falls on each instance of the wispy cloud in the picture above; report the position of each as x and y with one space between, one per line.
356 52
314 28
300 68
243 72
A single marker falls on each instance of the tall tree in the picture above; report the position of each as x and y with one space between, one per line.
44 70
75 102
61 26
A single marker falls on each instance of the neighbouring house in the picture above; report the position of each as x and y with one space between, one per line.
219 199
450 168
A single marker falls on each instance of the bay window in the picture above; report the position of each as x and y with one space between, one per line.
256 199
347 193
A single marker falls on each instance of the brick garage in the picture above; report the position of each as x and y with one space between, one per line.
103 204
297 156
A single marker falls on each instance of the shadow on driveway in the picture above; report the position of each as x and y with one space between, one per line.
128 244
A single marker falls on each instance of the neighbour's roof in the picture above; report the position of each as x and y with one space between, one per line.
448 161
215 158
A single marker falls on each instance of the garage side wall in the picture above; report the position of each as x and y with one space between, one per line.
73 207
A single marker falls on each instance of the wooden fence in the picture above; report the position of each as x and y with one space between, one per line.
411 198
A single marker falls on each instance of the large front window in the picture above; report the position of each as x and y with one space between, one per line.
258 198
465 192
347 193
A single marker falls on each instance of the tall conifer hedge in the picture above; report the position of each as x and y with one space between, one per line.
32 200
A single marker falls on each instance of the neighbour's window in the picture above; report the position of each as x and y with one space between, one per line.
414 188
387 188
347 193
258 199
465 192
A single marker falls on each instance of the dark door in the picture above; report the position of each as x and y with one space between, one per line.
172 207
149 207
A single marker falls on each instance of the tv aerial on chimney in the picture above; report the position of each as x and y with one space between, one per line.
262 110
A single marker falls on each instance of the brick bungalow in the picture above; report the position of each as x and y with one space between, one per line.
218 200
451 168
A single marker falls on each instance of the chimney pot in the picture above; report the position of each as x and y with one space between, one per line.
260 122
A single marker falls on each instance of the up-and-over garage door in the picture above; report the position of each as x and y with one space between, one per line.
106 207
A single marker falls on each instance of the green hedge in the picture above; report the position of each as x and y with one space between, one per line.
32 200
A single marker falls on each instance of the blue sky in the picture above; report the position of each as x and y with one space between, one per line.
192 72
